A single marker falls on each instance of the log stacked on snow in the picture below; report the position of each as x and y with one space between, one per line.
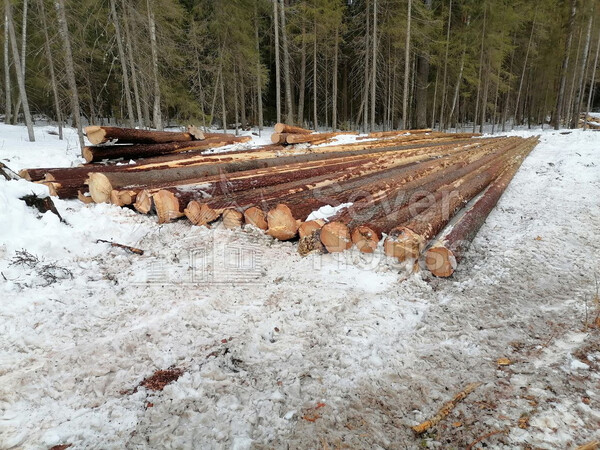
403 186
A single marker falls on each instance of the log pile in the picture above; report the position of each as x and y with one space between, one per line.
404 188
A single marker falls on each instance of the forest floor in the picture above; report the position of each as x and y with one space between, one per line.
280 351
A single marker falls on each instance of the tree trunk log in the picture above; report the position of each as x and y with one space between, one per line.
284 128
444 255
95 154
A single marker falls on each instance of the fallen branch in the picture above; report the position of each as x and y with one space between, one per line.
485 436
137 251
445 410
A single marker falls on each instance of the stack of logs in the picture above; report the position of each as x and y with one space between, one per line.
404 187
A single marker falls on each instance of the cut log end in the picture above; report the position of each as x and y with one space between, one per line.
440 261
143 202
281 222
232 219
279 138
365 239
95 134
87 154
122 198
100 187
167 206
335 236
256 216
24 173
200 213
403 244
307 228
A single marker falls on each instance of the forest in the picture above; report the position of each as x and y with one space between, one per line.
324 64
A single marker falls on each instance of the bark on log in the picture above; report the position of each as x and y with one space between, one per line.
100 135
296 192
136 151
444 255
396 206
283 128
149 175
409 240
312 138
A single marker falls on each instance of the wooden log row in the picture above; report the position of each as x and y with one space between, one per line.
297 190
192 158
374 216
104 182
446 252
222 184
367 232
281 223
135 151
291 138
100 135
408 241
284 128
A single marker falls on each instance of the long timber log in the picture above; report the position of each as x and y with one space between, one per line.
284 128
202 167
299 187
389 209
268 151
446 252
96 154
101 135
408 241
252 179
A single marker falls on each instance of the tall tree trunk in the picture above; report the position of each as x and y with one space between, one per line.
156 112
405 123
53 82
422 83
457 87
565 66
277 68
586 50
592 84
374 67
365 102
7 86
258 71
235 102
480 69
568 106
523 72
484 100
445 78
435 91
315 123
335 83
126 88
302 87
19 72
134 81
23 54
286 68
223 110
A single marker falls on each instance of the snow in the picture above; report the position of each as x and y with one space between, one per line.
269 339
327 211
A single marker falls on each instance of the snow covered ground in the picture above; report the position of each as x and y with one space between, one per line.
281 351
